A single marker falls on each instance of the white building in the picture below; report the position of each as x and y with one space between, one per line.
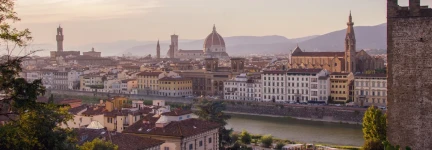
33 75
243 87
60 80
274 86
296 85
308 85
74 79
47 78
370 89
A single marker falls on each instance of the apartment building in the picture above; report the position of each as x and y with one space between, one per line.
274 85
308 85
243 87
148 83
175 86
370 89
340 84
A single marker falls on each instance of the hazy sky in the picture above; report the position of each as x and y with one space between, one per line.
91 21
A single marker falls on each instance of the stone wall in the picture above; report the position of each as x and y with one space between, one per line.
323 113
131 96
409 46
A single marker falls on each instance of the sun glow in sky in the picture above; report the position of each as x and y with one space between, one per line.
91 21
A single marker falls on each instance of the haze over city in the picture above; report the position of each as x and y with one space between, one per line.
93 21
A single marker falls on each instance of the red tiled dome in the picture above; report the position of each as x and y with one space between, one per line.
213 39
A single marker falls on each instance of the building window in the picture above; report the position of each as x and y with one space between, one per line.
200 143
209 140
190 146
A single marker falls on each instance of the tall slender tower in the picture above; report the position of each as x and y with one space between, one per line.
350 47
174 42
158 50
59 39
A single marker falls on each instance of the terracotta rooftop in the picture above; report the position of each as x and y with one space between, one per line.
149 73
127 80
190 51
318 54
178 112
97 110
68 101
184 128
174 79
123 141
304 70
77 109
372 75
133 142
274 72
340 73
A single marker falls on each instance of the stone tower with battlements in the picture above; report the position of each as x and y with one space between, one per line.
350 47
59 38
409 55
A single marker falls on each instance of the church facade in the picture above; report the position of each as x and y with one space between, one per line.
348 61
214 47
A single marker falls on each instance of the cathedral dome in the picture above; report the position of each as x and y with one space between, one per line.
214 42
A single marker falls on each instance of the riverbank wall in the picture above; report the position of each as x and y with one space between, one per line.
314 113
305 112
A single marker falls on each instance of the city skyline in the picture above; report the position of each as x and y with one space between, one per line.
108 21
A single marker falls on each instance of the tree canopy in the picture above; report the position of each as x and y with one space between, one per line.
245 137
98 144
374 128
30 125
213 111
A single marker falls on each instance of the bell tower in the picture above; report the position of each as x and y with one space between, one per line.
59 38
158 50
350 47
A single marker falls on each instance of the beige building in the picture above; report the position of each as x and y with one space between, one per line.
92 53
210 81
348 61
180 130
370 89
128 85
340 84
175 86
90 82
148 82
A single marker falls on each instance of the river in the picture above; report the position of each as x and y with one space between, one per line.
299 130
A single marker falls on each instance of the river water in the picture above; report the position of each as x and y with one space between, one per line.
299 130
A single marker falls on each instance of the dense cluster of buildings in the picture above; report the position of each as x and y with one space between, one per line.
318 77
131 124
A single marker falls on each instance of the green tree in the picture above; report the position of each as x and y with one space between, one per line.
245 137
98 144
213 111
279 145
51 99
374 128
31 125
267 140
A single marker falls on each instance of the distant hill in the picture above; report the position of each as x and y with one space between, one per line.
368 37
235 45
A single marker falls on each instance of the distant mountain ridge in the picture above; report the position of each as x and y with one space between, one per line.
368 37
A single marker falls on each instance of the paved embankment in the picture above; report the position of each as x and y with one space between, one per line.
307 112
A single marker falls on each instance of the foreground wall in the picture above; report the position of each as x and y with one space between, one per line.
409 46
